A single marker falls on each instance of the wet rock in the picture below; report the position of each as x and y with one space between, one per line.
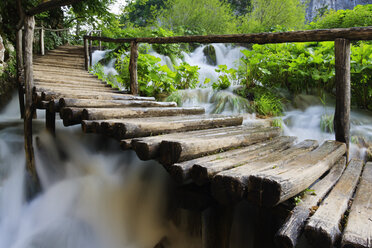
302 101
210 54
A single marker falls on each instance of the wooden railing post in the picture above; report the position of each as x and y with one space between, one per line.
133 68
100 42
342 112
90 52
19 49
29 25
86 53
41 41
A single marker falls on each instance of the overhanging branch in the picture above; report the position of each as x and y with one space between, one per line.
46 6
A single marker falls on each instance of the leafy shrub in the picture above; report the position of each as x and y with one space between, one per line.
186 76
226 78
326 123
268 105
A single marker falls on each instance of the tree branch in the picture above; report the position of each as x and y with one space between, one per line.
46 6
21 15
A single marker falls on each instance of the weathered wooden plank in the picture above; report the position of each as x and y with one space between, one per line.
323 228
342 111
175 150
148 148
73 83
76 88
358 231
117 113
93 103
289 233
51 95
72 79
133 128
181 172
231 185
275 185
71 116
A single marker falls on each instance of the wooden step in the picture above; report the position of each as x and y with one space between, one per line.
133 128
231 185
323 228
120 113
52 95
203 169
41 87
174 148
72 85
358 231
293 227
202 172
76 79
273 186
88 82
93 103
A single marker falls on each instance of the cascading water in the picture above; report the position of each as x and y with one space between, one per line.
94 194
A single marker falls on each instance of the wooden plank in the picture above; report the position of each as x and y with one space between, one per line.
148 147
342 111
117 113
231 185
275 185
93 103
60 88
203 172
358 231
134 128
182 172
291 230
178 150
71 116
51 95
323 228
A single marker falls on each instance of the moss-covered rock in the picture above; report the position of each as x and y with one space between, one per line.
210 54
7 71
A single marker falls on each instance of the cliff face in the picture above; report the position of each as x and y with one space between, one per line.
314 6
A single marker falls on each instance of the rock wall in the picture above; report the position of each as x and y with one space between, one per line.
7 83
314 6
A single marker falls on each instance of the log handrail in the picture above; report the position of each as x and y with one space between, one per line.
338 35
357 33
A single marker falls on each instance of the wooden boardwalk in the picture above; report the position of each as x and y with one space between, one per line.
236 162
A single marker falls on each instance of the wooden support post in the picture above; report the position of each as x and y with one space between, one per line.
342 112
50 121
217 222
41 41
19 50
29 108
90 52
133 68
100 42
86 54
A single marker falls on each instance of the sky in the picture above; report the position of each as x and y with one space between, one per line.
115 8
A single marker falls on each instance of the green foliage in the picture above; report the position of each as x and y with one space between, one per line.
199 16
142 12
175 97
268 105
277 122
268 15
226 77
153 78
326 123
360 16
186 76
97 70
227 101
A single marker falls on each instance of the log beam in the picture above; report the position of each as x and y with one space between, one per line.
86 54
41 41
19 50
